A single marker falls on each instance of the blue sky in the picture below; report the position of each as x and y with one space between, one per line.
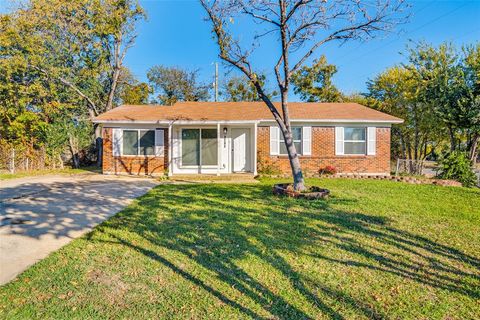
176 34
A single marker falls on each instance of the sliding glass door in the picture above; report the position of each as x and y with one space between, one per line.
209 150
199 147
190 147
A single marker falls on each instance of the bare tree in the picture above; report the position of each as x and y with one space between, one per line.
120 17
301 27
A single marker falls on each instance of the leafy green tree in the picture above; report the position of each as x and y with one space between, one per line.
314 83
136 93
239 88
398 91
472 117
444 77
61 54
76 45
360 98
174 84
132 91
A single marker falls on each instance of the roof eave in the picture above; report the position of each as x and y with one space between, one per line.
123 121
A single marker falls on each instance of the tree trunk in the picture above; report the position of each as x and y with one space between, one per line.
75 159
474 147
74 152
60 161
298 179
453 144
285 129
113 88
117 66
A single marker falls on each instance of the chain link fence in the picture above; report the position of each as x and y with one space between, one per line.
17 159
415 167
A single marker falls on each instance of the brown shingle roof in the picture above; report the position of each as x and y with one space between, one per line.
243 111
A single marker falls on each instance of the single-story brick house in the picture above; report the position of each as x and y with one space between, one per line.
233 137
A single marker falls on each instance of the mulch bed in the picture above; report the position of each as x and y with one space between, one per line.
312 193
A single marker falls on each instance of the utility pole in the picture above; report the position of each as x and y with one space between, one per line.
216 81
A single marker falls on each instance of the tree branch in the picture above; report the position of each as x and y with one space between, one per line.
345 33
92 105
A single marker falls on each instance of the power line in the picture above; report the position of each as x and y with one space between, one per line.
455 38
409 32
363 43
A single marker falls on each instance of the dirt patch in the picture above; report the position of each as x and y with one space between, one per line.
113 288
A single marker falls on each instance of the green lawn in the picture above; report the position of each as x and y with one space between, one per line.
375 249
22 174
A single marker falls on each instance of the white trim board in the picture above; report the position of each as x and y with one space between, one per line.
193 122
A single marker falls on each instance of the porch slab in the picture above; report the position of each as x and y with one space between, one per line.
210 178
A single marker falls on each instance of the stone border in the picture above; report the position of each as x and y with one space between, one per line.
406 179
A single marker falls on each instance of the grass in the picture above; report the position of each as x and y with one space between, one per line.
22 174
375 249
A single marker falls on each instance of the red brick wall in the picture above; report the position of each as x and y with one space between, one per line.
323 154
141 165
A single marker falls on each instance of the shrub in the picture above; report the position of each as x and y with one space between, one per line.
266 166
457 166
327 170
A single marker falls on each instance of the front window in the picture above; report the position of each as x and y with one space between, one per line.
355 141
199 147
138 142
297 141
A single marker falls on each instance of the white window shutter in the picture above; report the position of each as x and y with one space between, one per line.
274 139
159 142
339 147
371 140
307 141
117 141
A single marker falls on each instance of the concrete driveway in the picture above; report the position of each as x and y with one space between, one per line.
41 214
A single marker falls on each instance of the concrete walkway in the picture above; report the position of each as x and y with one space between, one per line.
39 215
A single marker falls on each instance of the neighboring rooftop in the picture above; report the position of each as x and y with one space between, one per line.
243 111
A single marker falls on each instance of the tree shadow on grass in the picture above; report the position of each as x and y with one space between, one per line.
216 226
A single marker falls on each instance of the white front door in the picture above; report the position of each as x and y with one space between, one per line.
241 149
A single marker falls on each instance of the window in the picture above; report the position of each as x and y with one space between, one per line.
209 147
199 147
147 142
130 142
138 142
297 141
354 140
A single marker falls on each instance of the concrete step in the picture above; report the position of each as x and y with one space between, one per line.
228 178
